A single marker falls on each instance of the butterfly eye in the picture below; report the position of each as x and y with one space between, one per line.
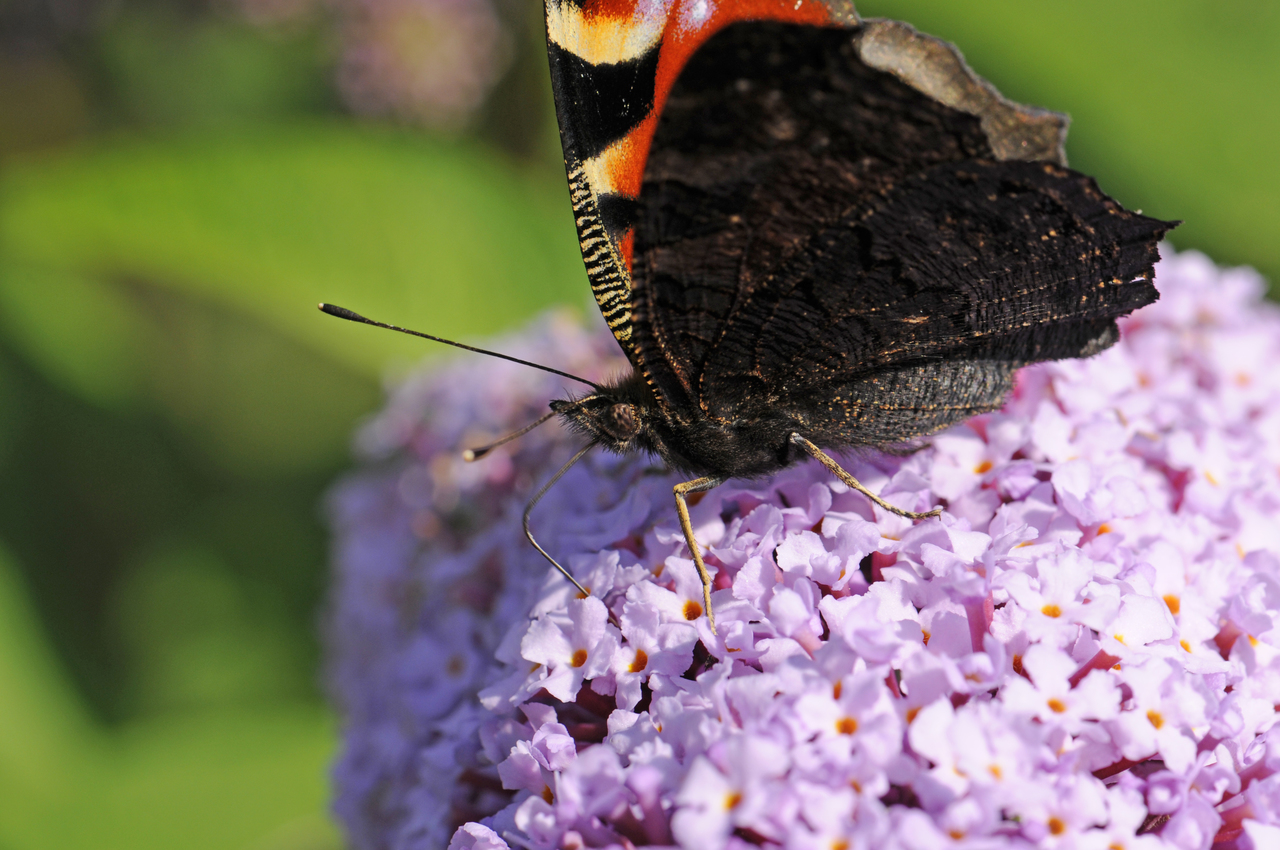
622 421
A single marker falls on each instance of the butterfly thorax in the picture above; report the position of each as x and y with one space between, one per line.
625 416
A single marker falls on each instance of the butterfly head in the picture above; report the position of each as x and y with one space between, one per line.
619 415
612 422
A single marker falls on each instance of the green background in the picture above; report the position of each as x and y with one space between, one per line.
179 188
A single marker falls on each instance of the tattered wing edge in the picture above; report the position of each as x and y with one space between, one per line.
937 68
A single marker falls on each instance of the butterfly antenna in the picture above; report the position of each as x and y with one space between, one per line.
476 454
344 313
538 497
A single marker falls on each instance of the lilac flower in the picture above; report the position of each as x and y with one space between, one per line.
427 62
1083 651
570 653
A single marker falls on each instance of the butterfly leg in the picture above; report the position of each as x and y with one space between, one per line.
839 472
697 485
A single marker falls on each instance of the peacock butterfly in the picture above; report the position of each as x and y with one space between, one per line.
809 232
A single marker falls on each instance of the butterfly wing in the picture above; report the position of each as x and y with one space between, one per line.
846 226
613 64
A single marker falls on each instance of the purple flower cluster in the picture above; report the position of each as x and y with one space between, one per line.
427 62
1081 652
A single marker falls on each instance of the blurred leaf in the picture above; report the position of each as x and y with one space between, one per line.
421 233
246 396
218 780
251 398
175 69
44 732
184 275
193 639
221 781
1172 101
84 332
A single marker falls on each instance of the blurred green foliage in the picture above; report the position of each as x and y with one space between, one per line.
112 250
199 779
177 190
210 71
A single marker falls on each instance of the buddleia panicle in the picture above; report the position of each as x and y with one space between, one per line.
1081 651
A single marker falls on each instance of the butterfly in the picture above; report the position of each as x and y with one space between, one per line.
810 232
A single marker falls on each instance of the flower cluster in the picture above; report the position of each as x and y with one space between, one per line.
1081 652
427 62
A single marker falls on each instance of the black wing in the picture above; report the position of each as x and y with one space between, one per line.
816 232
